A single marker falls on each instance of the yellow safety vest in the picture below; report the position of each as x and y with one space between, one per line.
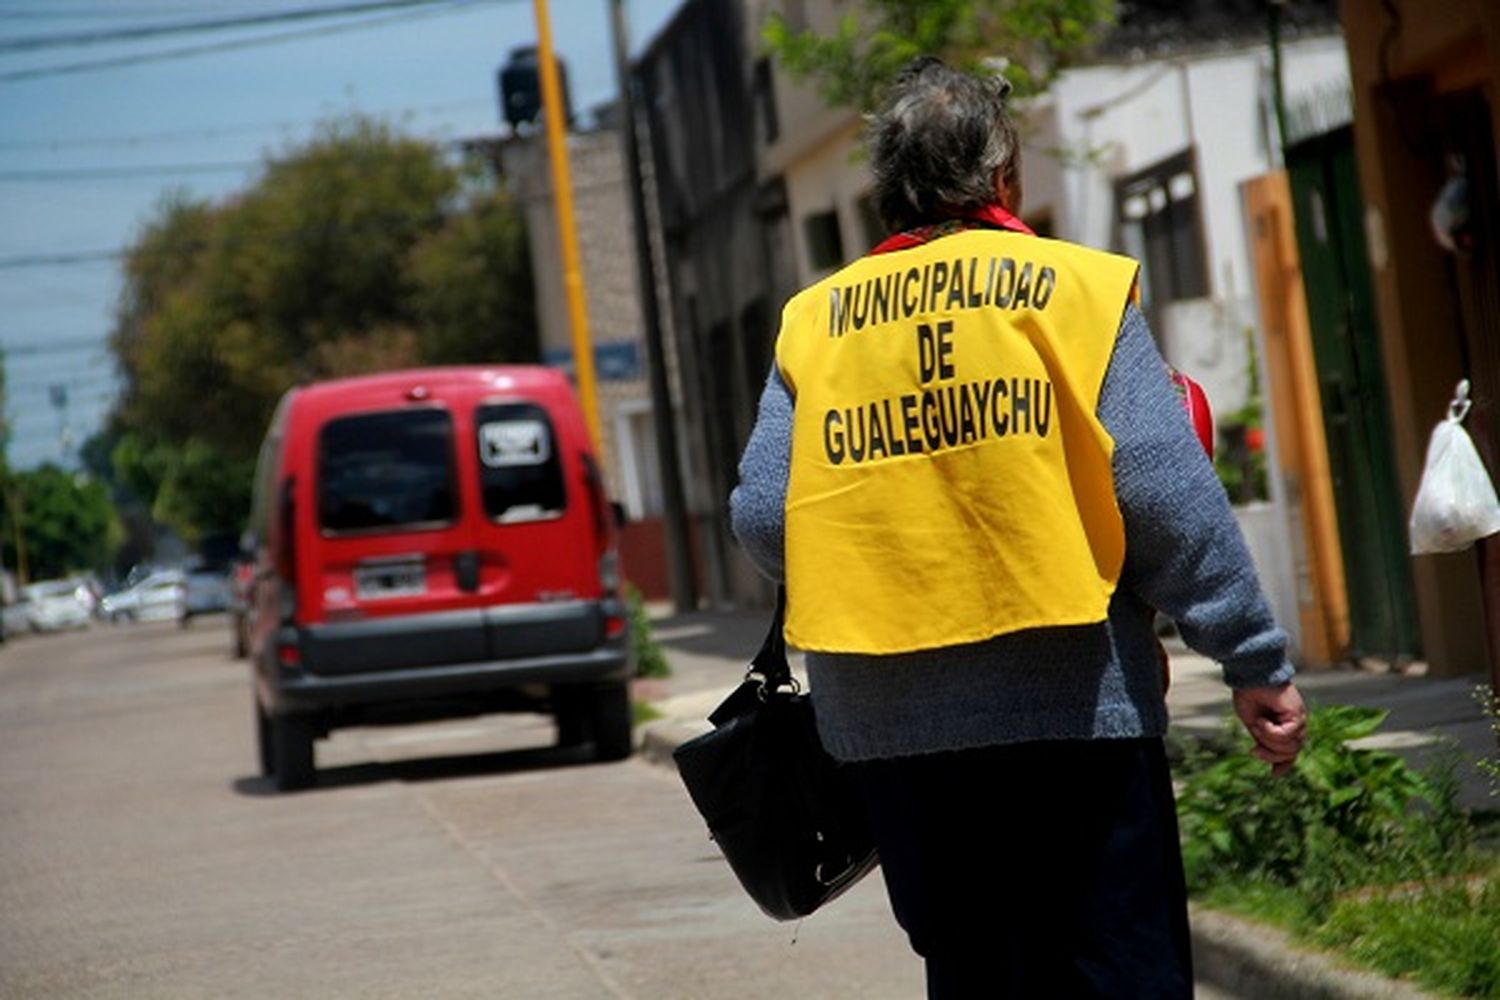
950 481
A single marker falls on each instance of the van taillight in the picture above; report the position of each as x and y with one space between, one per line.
614 626
289 654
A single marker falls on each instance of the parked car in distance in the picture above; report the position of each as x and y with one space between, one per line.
205 590
429 544
156 597
54 605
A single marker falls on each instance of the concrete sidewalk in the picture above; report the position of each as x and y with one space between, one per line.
709 652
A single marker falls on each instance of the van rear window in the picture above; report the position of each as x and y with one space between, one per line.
386 470
520 472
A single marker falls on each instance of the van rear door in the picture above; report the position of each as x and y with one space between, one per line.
396 568
539 565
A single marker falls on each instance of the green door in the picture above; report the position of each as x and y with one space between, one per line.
1341 309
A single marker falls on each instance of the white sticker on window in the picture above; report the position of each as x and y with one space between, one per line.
513 442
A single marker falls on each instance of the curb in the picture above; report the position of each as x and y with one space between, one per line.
1253 960
1239 957
658 739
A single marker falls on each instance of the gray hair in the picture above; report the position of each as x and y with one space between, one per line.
936 143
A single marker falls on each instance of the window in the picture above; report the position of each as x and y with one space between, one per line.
1157 210
520 472
825 245
382 471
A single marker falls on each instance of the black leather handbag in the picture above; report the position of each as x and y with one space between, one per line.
786 816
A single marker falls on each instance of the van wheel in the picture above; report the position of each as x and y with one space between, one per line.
610 720
572 721
292 751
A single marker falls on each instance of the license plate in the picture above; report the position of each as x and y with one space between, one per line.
373 581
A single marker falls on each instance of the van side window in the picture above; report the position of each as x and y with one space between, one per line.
378 471
520 472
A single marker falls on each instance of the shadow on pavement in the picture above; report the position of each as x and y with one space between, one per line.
426 769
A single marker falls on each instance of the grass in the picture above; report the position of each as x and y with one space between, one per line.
1445 937
642 712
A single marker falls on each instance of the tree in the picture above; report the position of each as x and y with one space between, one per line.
1028 41
472 286
66 522
360 251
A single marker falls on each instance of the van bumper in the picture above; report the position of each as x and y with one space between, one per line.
293 690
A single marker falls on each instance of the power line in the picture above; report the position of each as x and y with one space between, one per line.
35 42
212 131
12 351
59 259
194 50
145 170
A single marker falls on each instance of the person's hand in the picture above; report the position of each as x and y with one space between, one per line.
1276 720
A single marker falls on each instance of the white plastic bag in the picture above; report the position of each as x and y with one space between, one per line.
1456 502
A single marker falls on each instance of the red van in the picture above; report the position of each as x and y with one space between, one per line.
429 544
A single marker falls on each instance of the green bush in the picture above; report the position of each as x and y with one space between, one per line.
1352 850
650 661
1342 817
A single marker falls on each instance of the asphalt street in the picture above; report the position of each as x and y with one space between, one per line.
142 856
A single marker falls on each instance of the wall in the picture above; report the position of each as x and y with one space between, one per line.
606 247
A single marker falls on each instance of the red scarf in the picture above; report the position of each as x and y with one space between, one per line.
991 216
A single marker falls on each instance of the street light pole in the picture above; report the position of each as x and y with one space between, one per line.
679 550
567 233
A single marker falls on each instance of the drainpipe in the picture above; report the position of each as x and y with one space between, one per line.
1278 94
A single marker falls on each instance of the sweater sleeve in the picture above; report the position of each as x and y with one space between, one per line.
757 507
1183 550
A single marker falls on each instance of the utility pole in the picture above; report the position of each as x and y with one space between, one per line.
567 232
679 550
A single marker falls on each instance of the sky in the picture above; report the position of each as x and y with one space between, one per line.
85 155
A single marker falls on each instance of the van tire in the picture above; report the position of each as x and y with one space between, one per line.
611 722
572 722
263 742
292 751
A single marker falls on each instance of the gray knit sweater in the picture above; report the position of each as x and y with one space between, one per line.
1183 555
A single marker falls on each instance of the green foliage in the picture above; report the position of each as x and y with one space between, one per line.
642 712
362 250
1341 818
1443 936
472 287
66 522
1028 41
202 489
1490 765
1240 458
1353 850
650 661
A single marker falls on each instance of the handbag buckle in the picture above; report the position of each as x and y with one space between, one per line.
765 687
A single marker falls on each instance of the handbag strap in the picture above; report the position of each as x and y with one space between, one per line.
770 663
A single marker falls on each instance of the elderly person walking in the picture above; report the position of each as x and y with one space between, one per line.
975 478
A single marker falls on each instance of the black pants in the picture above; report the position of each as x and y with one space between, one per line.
1036 870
